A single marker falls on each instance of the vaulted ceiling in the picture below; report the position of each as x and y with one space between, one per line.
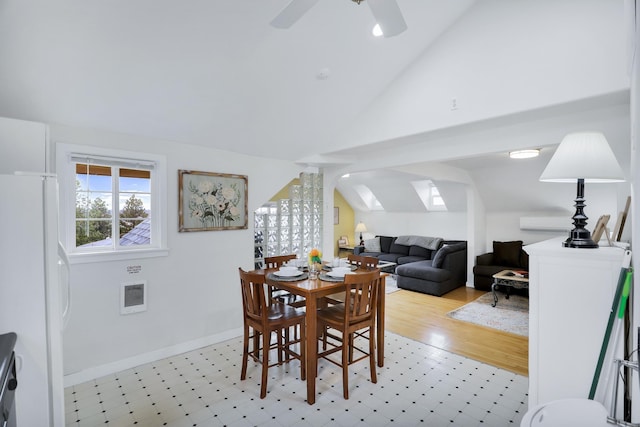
468 80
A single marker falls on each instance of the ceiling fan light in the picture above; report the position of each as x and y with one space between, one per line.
524 154
377 31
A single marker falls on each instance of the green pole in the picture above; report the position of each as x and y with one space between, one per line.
619 302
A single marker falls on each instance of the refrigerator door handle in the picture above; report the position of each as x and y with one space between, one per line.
62 254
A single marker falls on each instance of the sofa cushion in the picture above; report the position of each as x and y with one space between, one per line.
385 243
389 257
372 245
488 270
423 270
398 249
439 257
507 253
409 258
373 254
420 252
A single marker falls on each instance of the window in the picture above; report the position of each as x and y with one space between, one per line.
368 197
429 195
111 202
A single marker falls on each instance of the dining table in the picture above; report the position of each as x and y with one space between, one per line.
314 290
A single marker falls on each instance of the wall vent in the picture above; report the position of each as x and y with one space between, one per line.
133 297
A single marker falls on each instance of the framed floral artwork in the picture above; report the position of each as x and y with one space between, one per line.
211 201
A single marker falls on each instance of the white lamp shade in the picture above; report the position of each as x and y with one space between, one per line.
360 227
583 155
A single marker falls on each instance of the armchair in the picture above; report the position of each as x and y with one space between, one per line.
505 256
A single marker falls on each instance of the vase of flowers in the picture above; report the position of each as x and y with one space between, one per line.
315 262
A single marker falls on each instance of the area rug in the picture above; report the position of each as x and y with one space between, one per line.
390 285
509 315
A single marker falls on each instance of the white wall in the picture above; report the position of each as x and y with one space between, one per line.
449 226
193 294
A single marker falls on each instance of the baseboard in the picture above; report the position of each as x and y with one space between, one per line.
140 359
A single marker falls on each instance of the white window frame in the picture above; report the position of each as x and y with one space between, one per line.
429 195
65 168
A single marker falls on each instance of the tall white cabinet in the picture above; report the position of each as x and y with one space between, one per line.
571 292
24 146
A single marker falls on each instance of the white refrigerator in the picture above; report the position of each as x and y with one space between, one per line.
32 297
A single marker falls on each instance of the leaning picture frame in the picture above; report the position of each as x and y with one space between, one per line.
600 228
622 218
209 201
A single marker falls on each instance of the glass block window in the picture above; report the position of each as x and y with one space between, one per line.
292 225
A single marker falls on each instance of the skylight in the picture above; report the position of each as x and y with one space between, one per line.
430 195
368 197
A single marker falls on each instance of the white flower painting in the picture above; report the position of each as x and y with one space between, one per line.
211 201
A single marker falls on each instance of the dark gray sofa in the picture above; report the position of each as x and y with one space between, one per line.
445 272
401 254
430 271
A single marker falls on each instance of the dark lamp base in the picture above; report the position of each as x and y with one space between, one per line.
580 239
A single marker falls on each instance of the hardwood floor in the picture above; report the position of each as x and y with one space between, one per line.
423 318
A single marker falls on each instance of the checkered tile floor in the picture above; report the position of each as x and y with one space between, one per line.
419 385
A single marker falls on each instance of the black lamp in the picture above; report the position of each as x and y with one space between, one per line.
582 157
359 229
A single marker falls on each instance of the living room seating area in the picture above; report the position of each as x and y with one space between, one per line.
429 265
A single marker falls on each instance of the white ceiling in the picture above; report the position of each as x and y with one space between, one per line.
209 72
214 73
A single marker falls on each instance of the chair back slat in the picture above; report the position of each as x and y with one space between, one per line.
368 262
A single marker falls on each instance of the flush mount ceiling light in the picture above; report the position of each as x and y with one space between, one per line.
524 154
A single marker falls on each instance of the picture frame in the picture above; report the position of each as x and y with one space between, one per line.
622 218
209 201
336 216
600 228
343 241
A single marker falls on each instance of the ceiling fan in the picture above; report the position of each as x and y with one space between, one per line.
386 12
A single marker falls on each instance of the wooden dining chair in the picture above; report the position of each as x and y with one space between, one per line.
353 319
368 262
354 259
264 318
274 263
277 261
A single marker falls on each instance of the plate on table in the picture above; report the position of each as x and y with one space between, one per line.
288 273
349 266
338 274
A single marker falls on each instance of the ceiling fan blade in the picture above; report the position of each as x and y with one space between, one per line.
389 16
292 12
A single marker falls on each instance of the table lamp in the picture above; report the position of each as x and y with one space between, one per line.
360 228
582 157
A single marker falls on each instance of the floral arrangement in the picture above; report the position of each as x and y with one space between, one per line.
214 204
315 256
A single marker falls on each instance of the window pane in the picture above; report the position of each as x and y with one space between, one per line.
94 202
92 177
135 181
135 207
91 232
